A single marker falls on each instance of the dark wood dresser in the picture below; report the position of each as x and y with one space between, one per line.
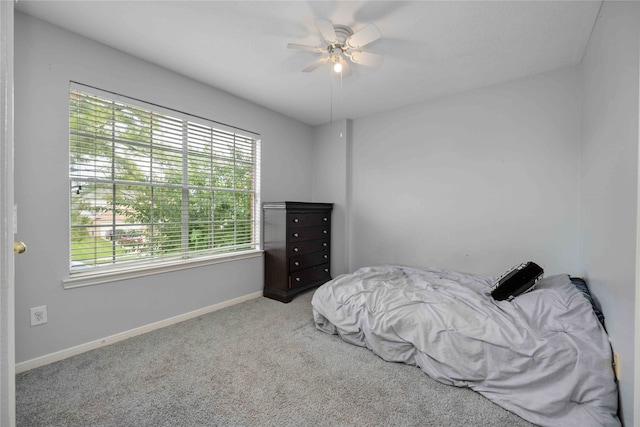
297 244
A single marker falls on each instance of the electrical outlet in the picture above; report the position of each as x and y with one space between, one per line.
616 364
38 315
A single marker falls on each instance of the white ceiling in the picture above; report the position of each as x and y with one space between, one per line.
431 48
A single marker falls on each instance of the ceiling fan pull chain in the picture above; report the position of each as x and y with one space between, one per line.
331 106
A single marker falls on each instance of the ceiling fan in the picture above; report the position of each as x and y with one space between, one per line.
342 47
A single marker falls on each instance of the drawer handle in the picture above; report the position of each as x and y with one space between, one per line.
326 256
324 231
325 219
296 263
297 279
326 269
296 220
295 249
295 235
324 244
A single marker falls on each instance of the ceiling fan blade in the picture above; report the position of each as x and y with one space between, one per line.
363 37
326 29
316 64
305 47
367 59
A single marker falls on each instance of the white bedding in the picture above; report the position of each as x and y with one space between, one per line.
543 356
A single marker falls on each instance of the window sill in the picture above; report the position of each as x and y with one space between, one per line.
83 279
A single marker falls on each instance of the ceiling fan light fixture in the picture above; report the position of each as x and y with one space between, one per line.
343 47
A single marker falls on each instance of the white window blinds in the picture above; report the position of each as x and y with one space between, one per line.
149 186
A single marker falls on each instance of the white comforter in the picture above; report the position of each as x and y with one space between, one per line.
543 356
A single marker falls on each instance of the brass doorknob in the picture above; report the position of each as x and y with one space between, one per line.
19 247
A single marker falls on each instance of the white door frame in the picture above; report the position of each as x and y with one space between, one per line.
7 298
636 347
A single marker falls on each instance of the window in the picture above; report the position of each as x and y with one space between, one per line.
151 186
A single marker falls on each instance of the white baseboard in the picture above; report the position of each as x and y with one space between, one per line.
82 348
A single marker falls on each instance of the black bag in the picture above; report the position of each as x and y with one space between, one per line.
516 281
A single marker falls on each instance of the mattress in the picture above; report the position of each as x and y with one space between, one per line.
543 355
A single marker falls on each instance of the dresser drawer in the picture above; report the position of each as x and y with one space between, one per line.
308 233
302 219
318 274
308 247
305 261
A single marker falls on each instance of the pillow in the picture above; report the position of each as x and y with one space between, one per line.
582 287
516 281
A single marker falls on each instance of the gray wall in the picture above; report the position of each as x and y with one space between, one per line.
475 182
609 181
331 184
46 59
